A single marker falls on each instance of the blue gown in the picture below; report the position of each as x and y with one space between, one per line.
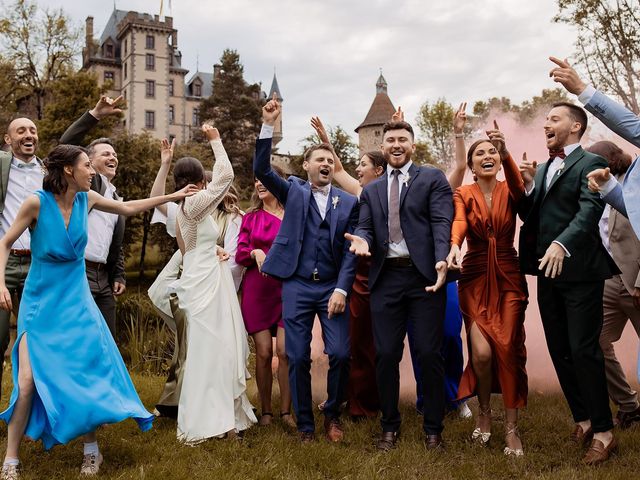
80 378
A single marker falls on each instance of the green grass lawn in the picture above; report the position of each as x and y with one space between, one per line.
272 453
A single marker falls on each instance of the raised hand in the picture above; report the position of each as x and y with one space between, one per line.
398 115
359 245
441 270
271 111
460 118
166 151
107 106
454 258
527 170
317 125
598 178
567 76
210 132
496 137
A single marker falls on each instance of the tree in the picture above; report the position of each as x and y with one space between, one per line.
342 143
71 96
9 92
234 108
530 108
483 108
608 44
41 44
435 122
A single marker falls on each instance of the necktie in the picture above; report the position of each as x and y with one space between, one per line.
395 232
322 190
557 153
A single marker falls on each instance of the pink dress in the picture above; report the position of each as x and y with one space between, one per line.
261 296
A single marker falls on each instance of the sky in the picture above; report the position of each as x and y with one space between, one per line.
328 54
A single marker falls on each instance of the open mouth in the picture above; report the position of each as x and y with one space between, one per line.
325 171
397 153
28 144
550 135
488 165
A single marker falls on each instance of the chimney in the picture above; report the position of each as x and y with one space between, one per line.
174 39
88 27
217 68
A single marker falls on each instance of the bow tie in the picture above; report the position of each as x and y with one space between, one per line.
557 153
322 190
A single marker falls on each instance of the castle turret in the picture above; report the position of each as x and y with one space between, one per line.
370 130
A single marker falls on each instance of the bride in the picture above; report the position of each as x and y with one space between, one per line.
213 401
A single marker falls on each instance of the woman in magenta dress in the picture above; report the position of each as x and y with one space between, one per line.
262 299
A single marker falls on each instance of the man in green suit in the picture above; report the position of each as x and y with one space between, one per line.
560 244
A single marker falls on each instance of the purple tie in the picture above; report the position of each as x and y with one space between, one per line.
395 232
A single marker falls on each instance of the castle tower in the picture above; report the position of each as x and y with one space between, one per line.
370 130
277 132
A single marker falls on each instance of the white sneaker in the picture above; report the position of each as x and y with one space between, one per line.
91 464
9 472
464 411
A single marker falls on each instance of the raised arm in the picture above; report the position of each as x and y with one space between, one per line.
26 217
456 176
511 170
133 207
206 201
77 130
340 175
166 155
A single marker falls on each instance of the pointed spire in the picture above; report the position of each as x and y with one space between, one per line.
381 84
275 88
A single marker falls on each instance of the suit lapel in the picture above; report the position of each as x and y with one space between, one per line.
541 183
333 222
381 188
306 198
413 173
569 162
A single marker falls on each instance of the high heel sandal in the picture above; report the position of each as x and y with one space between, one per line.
482 438
512 429
288 420
265 419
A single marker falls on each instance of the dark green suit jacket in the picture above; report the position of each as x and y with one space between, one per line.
568 212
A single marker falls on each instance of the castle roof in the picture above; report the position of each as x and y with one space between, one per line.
207 83
380 112
111 29
275 88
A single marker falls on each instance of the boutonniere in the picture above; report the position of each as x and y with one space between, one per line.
560 168
405 179
335 200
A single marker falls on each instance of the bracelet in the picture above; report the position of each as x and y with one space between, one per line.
459 135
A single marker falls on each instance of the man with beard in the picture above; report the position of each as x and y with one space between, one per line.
405 225
312 258
21 174
560 244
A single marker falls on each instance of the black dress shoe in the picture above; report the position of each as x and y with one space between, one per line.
627 419
387 441
434 442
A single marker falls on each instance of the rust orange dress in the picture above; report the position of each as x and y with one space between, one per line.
493 292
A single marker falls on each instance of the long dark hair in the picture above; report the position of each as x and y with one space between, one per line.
256 202
60 157
187 170
377 158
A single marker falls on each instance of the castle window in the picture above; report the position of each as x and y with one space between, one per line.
151 42
172 114
125 70
149 119
108 51
195 120
150 88
171 88
150 62
377 133
197 89
126 45
108 76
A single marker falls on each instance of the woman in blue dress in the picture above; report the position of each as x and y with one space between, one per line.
68 375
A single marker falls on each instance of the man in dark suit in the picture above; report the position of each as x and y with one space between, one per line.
560 244
104 257
311 256
405 222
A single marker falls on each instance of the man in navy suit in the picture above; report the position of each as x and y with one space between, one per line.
405 225
311 256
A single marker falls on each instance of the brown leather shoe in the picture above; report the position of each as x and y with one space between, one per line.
580 437
333 430
434 442
625 420
598 453
387 441
307 437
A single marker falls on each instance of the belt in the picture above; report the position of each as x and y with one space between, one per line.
20 252
95 265
398 262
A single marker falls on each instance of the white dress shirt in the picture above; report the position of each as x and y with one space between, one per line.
100 228
169 219
400 249
24 179
603 225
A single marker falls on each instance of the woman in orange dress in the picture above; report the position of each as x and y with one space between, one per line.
493 292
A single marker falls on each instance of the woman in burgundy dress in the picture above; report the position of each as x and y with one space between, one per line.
262 299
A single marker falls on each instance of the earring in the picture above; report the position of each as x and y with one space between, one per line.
475 177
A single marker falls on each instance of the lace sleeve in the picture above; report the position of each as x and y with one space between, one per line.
205 201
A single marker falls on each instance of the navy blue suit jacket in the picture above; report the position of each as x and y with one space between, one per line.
295 195
426 213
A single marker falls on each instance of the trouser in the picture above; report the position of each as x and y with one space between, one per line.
572 315
398 299
302 300
102 292
15 275
618 309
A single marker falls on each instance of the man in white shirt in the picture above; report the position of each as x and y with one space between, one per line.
21 174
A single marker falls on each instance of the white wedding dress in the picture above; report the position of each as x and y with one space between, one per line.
213 400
